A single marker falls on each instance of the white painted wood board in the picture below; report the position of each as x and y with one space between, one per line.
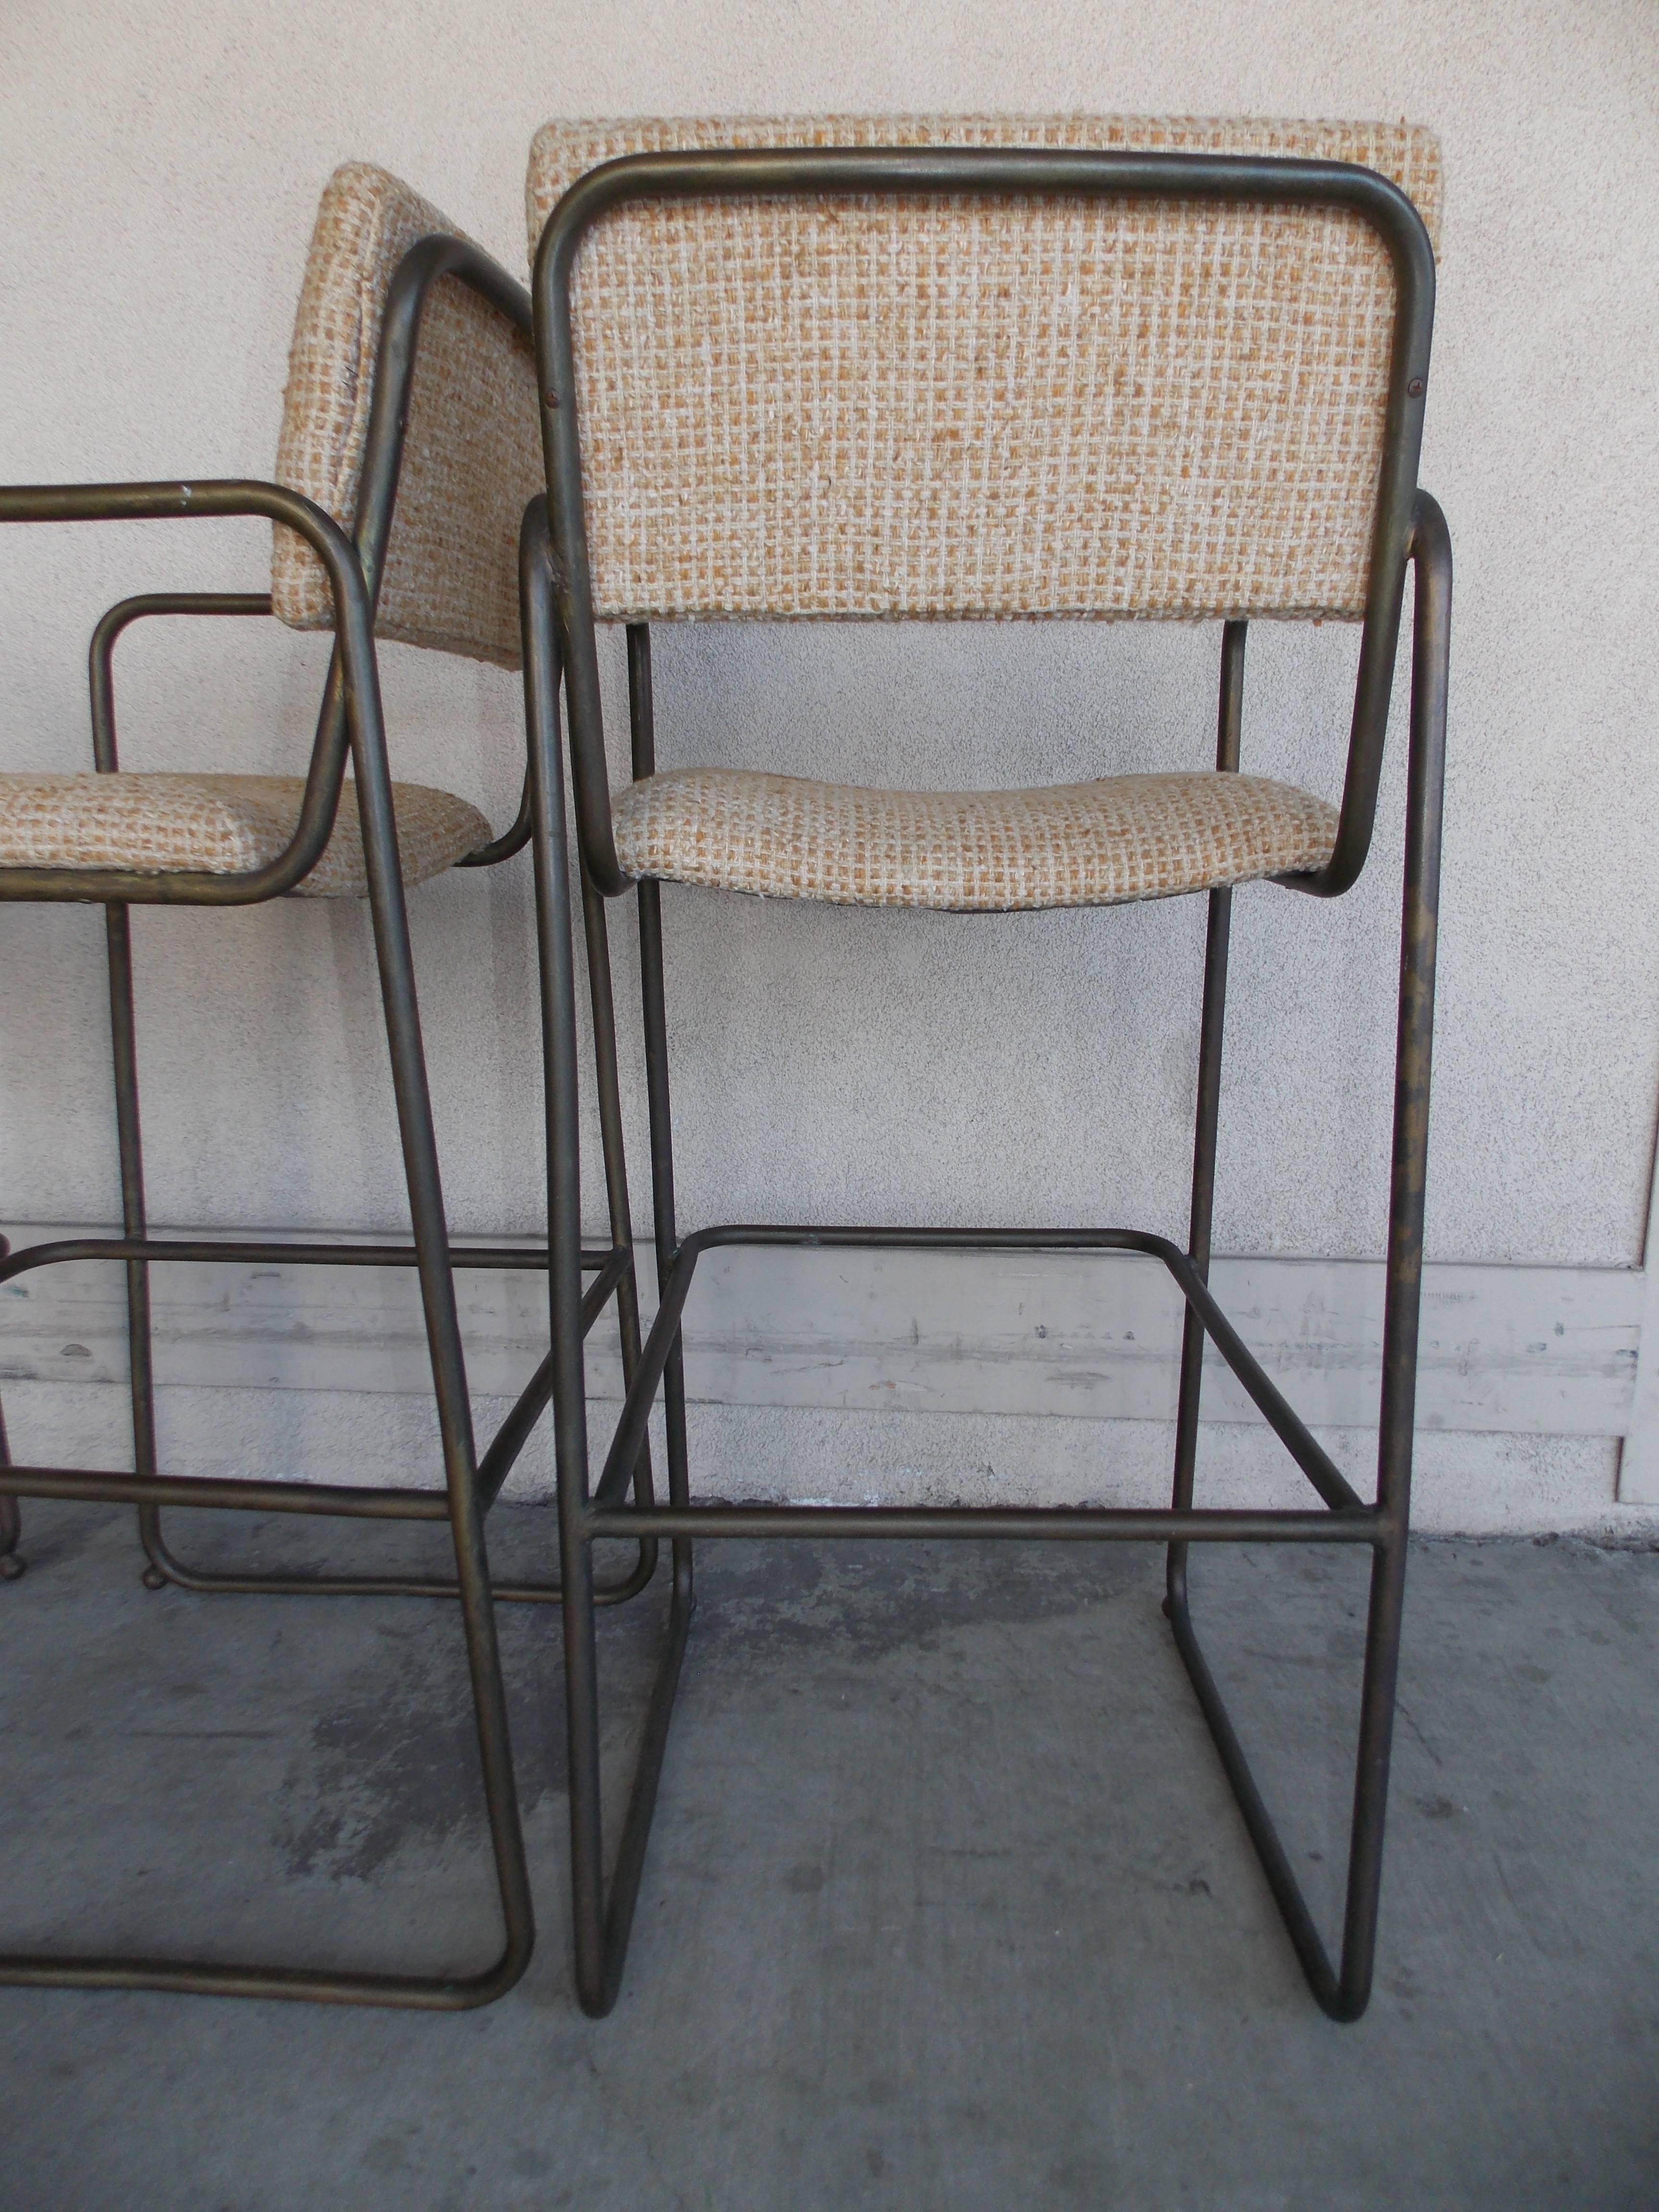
1517 1349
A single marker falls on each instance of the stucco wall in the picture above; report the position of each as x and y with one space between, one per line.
159 169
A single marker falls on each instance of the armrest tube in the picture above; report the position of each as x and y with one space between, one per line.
511 840
100 675
1428 549
355 659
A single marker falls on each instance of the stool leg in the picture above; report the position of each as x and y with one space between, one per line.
431 1238
600 1928
603 1006
1344 1990
1229 727
129 1136
1413 1061
12 1562
643 732
564 1137
662 1195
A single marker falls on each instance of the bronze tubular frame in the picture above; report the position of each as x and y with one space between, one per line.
350 720
561 641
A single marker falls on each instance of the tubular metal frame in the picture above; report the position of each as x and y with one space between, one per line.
350 720
560 633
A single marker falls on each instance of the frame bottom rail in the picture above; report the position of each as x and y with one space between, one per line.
1305 1941
431 1993
609 1944
324 1584
331 1501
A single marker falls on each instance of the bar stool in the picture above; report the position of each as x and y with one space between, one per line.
921 368
410 422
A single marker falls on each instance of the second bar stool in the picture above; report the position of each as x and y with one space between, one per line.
926 367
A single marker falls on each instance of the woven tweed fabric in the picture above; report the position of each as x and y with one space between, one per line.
217 826
904 408
1071 844
472 455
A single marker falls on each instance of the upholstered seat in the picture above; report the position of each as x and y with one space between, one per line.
1071 844
218 825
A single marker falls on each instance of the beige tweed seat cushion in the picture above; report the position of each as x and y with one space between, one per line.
1071 844
218 825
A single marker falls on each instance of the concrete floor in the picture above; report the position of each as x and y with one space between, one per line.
947 1904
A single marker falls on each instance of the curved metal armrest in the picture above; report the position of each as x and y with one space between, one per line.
358 685
1428 549
542 619
511 841
100 675
354 569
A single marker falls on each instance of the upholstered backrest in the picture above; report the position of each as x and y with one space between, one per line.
921 407
472 454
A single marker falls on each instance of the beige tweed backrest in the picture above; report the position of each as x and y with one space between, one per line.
472 454
902 408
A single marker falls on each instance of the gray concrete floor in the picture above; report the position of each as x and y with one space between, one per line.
947 1904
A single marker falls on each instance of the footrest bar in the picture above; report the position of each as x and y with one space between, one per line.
637 1406
1287 1424
423 1586
1315 1461
642 1805
1157 1525
258 1253
338 1500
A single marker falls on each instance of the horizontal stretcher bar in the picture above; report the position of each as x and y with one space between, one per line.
1287 1424
245 1251
1125 1525
90 1486
252 1497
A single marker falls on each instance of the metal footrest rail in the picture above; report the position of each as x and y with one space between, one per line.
609 1265
1309 1455
1342 1518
